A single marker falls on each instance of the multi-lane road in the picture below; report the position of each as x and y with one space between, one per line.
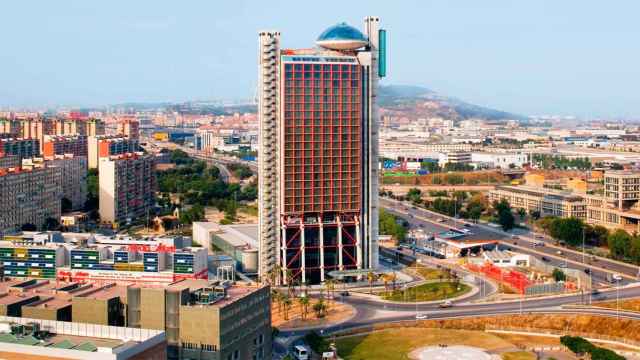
601 268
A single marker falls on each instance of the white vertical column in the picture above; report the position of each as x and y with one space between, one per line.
340 265
303 257
358 244
284 254
321 236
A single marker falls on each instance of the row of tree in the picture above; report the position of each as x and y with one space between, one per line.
547 161
390 224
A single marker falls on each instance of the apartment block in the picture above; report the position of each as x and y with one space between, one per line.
20 147
104 146
129 127
73 176
65 144
29 195
546 201
127 187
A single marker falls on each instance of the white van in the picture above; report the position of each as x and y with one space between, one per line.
301 352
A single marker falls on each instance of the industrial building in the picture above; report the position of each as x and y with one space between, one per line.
127 187
239 241
318 159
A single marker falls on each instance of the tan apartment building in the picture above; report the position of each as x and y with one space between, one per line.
29 195
618 207
73 176
127 187
104 146
547 201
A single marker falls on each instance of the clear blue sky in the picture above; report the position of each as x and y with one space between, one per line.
529 56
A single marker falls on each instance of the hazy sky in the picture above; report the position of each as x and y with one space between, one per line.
529 56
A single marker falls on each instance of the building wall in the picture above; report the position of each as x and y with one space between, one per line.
108 311
36 312
29 196
152 303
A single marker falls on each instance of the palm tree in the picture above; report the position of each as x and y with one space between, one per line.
331 286
371 277
304 306
286 300
319 308
277 297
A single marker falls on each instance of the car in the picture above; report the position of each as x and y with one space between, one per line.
441 220
515 243
587 271
466 231
421 316
538 243
467 225
515 237
559 252
617 277
344 293
446 304
545 259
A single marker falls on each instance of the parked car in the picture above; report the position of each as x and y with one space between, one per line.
446 304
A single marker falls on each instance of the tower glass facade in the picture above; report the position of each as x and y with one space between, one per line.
325 146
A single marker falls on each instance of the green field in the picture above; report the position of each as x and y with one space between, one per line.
427 292
396 344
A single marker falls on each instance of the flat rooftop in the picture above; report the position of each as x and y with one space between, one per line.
541 192
239 235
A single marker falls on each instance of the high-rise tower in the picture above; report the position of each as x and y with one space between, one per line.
318 155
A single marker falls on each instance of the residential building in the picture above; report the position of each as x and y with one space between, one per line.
127 187
73 176
103 146
9 161
547 202
20 147
318 160
65 144
129 127
29 195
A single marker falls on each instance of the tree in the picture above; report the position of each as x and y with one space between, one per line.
371 278
51 224
65 205
286 302
619 244
505 216
558 275
304 306
320 308
414 195
569 230
535 214
28 227
389 224
522 213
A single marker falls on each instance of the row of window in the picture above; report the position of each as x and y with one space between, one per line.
319 67
334 85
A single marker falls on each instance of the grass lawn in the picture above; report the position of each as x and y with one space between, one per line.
430 273
396 344
518 355
427 292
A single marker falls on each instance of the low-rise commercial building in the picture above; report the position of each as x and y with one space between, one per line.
547 202
238 241
619 206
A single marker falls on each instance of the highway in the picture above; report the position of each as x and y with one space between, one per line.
525 243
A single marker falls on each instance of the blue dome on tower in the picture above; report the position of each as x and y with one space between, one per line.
342 36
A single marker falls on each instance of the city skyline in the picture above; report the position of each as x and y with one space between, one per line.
551 61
